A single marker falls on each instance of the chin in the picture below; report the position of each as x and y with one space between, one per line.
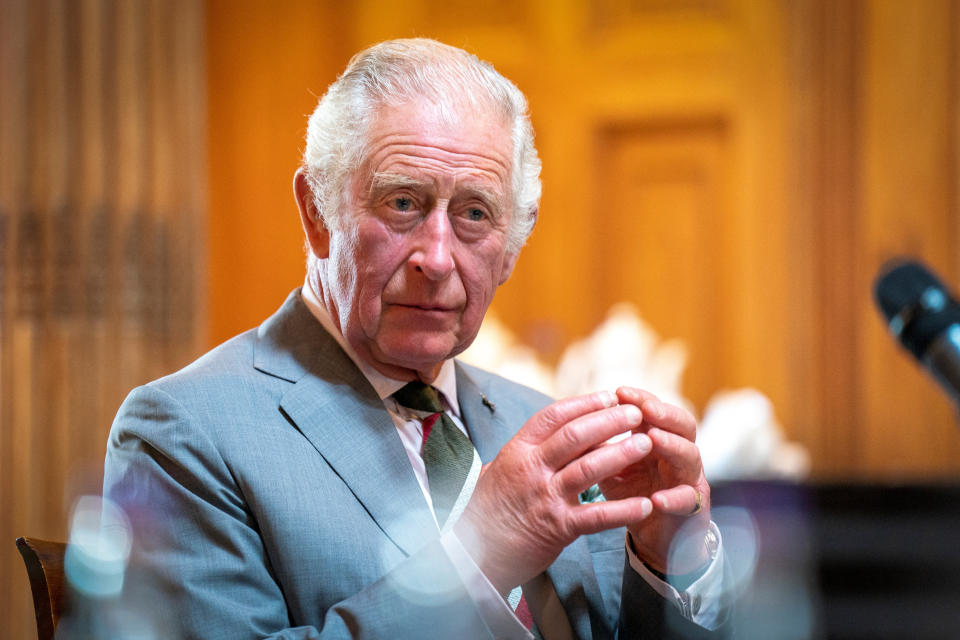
422 352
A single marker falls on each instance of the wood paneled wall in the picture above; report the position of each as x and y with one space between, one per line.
738 169
874 125
268 63
102 230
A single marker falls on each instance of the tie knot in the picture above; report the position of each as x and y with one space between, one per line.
419 397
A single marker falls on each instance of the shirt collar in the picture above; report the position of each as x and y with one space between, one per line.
445 383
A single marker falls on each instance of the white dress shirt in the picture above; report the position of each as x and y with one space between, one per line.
705 593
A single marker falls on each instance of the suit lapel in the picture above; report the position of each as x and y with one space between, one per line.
489 429
335 408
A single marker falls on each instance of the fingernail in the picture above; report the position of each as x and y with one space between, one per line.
641 442
608 398
633 415
646 507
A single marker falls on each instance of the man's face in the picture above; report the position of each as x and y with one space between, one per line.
421 245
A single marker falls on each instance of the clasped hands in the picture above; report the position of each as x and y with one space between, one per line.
525 507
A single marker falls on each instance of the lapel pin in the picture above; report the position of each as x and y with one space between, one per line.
488 404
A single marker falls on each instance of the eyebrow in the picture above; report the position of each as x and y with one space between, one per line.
383 183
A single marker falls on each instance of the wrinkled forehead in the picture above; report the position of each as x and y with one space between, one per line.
458 130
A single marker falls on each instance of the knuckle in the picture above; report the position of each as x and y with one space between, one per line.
582 519
555 523
587 469
550 415
608 422
570 435
563 411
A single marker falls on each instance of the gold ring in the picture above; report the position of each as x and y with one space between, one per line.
697 509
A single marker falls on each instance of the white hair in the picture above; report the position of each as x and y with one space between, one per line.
395 72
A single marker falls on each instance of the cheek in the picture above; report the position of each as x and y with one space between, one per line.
481 277
377 259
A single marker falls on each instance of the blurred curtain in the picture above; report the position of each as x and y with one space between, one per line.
102 231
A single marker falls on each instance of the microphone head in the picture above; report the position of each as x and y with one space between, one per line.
915 304
901 284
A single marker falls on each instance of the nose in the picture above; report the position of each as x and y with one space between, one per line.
433 255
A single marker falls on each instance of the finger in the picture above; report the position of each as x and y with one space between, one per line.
553 416
633 395
602 516
601 463
580 434
678 501
670 417
681 453
660 414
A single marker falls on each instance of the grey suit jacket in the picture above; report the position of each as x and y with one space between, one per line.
271 497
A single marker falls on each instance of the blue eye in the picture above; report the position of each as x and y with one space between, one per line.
402 204
476 214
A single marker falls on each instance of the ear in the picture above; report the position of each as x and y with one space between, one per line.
318 237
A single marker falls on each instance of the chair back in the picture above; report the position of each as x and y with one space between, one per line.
44 561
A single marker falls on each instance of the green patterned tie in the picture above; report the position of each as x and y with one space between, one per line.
447 452
447 455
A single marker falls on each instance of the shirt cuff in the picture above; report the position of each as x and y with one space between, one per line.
703 601
493 609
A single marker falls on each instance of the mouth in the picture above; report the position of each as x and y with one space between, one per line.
426 307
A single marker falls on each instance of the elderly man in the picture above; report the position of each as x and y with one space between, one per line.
335 473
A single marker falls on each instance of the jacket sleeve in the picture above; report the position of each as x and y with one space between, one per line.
199 568
644 613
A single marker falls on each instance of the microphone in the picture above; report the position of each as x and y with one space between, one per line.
924 317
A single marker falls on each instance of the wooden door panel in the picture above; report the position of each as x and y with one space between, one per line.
662 235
